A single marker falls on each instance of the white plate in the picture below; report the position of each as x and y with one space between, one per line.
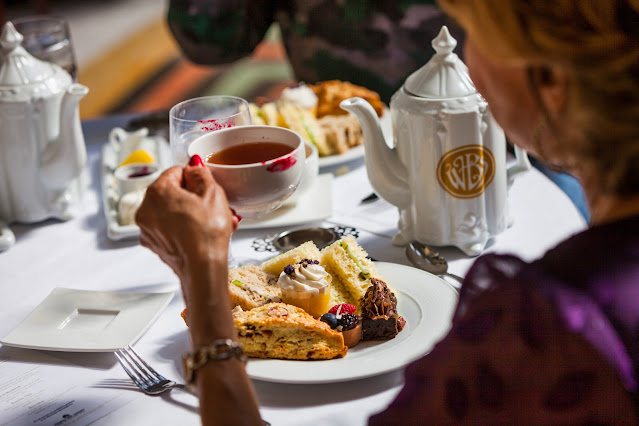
427 304
358 151
337 160
87 321
110 195
315 204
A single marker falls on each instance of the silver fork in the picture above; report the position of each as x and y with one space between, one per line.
143 375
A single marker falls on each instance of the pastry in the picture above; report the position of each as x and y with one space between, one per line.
349 324
380 320
278 330
306 285
313 111
331 93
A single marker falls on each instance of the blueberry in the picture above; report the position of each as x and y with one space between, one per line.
330 319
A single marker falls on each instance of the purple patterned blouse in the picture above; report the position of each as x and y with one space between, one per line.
552 341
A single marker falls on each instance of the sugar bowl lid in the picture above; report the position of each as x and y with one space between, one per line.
24 74
444 76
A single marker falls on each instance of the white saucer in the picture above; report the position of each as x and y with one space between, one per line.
87 321
315 204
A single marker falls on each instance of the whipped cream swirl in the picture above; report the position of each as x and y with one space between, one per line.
302 95
309 278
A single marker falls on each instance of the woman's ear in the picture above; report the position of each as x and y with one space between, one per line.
552 83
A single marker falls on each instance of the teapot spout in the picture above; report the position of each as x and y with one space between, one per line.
386 172
66 157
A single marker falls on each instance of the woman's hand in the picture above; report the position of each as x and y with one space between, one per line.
185 218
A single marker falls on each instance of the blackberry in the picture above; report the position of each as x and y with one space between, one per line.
348 321
289 269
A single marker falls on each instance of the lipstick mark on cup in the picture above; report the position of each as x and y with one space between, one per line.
282 164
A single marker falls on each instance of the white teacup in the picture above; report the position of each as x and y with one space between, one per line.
134 176
310 173
254 189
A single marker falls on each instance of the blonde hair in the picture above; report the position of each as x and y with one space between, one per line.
597 43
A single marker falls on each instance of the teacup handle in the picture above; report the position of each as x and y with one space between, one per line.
521 164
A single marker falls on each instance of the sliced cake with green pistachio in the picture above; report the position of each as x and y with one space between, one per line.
351 269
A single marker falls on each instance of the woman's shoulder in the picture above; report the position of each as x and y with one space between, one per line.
514 355
509 358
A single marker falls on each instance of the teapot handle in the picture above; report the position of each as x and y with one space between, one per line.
521 164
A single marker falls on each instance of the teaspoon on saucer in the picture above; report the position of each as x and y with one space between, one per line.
423 257
293 238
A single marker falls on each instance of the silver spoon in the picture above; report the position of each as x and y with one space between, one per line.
429 260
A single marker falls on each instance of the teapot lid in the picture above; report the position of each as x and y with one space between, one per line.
17 66
444 76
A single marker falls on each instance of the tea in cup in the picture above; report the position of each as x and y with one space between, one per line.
259 167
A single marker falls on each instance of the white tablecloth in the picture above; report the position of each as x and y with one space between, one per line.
77 254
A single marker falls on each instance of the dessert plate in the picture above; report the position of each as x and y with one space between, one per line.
110 195
87 321
424 300
315 204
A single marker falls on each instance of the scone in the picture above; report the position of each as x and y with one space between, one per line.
352 271
278 330
250 286
276 265
331 93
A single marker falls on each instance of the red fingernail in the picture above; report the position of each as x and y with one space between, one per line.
196 160
239 218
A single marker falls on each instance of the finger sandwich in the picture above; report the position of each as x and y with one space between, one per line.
351 269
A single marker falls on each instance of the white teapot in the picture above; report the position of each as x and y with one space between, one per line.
447 171
42 151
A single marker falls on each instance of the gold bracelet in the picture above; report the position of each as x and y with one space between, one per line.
219 350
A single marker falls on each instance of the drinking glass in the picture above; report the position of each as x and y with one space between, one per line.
193 118
48 38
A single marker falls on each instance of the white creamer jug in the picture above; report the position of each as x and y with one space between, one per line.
447 171
42 151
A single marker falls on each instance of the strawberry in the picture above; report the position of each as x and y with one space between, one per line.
343 308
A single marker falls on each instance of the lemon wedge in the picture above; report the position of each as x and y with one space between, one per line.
139 156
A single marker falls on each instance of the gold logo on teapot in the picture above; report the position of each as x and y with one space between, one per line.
466 171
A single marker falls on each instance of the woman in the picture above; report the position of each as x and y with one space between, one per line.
552 341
